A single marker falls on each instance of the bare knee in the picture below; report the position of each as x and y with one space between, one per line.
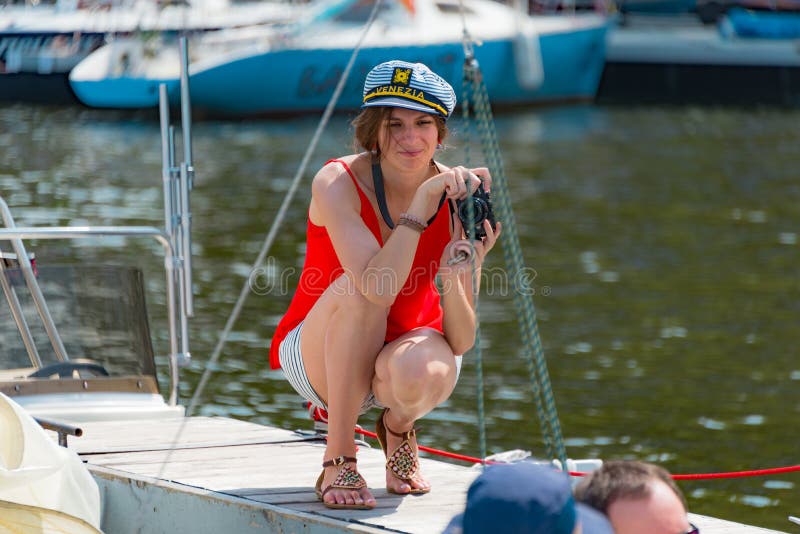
423 372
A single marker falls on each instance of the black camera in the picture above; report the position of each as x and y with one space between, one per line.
482 210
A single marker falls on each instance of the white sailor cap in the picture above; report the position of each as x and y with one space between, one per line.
408 85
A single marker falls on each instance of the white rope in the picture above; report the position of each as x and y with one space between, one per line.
281 212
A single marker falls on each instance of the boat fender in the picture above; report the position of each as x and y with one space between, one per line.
528 59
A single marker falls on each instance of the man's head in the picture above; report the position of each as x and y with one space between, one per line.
525 498
637 497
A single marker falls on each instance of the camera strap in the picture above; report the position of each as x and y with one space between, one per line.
380 195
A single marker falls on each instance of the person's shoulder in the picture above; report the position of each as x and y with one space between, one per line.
334 183
337 169
344 173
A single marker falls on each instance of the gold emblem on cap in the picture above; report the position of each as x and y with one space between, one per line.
401 76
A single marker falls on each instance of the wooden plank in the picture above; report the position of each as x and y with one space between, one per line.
259 467
177 433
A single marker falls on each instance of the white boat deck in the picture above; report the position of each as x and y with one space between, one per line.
221 475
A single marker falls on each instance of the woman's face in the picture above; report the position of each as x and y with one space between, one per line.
408 138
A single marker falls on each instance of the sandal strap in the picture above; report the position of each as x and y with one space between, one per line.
405 436
340 460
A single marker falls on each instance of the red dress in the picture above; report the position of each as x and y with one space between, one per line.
416 305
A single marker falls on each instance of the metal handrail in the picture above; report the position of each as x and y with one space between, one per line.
79 232
36 292
62 429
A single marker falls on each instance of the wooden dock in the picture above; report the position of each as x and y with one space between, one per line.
218 475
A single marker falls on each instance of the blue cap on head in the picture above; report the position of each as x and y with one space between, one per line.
409 85
525 498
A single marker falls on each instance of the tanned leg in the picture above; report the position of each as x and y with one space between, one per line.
340 340
413 374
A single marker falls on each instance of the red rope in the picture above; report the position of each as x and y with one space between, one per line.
737 474
438 452
697 476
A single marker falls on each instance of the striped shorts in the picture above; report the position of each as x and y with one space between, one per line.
292 364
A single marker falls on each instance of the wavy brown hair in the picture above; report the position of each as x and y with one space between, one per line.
368 124
618 479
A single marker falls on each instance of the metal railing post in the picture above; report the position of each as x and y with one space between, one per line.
166 157
171 229
187 177
175 205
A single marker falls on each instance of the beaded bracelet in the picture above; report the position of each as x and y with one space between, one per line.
412 222
415 219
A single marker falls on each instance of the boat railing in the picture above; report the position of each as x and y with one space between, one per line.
177 181
24 262
176 239
175 309
62 429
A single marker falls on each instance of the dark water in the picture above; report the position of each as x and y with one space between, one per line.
664 242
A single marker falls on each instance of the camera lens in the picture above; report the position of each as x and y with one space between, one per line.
479 210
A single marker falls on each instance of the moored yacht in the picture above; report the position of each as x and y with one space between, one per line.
525 59
40 44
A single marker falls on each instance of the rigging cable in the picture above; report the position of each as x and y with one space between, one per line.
468 45
512 252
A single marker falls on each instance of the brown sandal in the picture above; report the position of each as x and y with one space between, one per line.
402 462
347 479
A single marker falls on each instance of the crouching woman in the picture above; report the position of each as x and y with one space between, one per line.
367 326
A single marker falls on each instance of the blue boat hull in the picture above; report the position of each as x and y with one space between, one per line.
296 81
122 92
764 25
